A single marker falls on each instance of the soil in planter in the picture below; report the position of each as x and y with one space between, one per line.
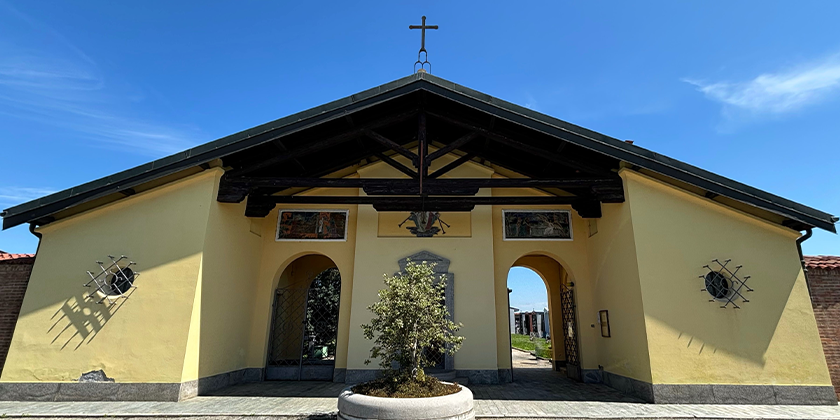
397 388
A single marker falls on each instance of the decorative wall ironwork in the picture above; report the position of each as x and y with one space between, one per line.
312 225
725 285
570 340
113 281
537 224
424 224
304 329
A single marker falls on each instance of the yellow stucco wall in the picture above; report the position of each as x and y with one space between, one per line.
571 255
208 276
229 271
615 288
60 335
471 264
275 258
772 340
459 223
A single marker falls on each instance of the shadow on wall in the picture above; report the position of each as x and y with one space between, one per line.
702 326
80 318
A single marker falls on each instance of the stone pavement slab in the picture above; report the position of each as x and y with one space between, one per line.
316 408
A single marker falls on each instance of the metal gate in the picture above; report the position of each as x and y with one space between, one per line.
304 329
570 339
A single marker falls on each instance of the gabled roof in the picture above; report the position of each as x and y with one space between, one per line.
40 211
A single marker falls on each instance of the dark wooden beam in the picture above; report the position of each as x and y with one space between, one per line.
282 147
451 146
321 144
429 203
414 189
392 145
452 165
588 209
597 184
423 149
533 150
396 165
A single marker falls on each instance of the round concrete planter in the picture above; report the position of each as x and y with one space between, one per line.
457 406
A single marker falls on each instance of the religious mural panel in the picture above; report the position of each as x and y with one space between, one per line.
537 224
312 225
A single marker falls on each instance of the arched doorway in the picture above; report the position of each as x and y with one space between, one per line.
304 322
551 330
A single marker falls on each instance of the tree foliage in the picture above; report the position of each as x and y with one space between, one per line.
322 311
410 317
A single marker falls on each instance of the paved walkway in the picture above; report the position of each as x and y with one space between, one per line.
536 393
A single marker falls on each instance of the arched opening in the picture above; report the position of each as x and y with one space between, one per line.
542 322
304 321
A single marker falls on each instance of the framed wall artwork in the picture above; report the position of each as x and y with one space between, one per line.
555 225
312 225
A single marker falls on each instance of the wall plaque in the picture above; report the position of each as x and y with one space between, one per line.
537 225
312 225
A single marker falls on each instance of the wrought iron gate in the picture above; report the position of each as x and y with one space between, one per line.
570 332
304 329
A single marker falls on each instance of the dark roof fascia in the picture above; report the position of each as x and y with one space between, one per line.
633 154
580 136
205 153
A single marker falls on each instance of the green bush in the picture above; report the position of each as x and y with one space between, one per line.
410 320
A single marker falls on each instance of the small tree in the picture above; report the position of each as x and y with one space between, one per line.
410 317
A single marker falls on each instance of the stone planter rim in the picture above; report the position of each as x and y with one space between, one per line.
359 406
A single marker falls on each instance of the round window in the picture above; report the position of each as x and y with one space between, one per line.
717 285
120 281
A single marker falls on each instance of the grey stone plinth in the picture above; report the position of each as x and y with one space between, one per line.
117 391
352 406
592 376
505 376
744 394
355 376
10 391
683 394
805 395
479 376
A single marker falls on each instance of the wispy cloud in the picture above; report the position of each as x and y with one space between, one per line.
10 196
780 92
46 79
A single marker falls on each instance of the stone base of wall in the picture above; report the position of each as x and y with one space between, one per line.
714 394
116 391
474 376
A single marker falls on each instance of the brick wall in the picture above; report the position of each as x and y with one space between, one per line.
824 284
14 276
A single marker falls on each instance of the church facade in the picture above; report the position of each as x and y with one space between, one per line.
255 257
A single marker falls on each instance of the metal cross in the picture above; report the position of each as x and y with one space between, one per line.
423 27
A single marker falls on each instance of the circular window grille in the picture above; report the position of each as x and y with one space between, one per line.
120 281
717 285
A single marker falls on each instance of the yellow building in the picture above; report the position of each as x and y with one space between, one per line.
255 256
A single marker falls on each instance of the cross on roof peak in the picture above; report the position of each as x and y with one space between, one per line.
425 60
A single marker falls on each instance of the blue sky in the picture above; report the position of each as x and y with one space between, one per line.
529 291
747 89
